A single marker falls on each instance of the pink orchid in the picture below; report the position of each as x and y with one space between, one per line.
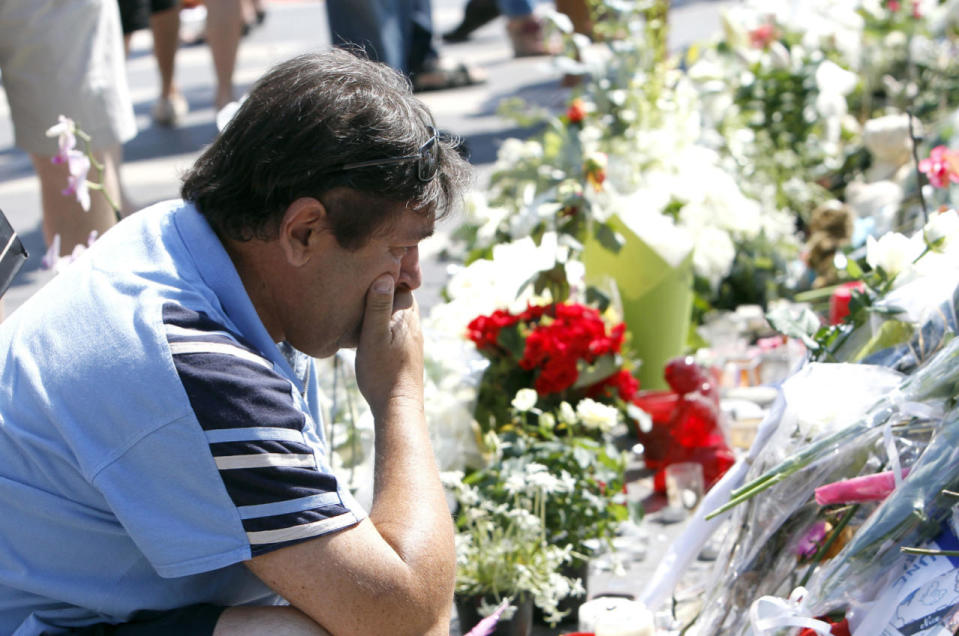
65 132
858 489
941 166
486 626
78 164
893 5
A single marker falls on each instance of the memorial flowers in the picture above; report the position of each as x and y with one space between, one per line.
567 353
502 551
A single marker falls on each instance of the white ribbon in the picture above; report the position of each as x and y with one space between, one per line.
920 410
912 409
892 452
771 612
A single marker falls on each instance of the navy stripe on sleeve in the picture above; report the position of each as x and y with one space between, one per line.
254 428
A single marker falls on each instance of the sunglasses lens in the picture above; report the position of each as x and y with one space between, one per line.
428 160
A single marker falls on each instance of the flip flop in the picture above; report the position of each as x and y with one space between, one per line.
443 74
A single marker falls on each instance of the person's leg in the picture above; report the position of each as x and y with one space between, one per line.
62 213
165 26
514 8
259 10
224 24
380 27
276 621
420 49
54 38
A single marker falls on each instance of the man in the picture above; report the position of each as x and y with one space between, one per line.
161 456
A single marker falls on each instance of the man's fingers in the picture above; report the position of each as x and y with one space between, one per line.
402 299
379 304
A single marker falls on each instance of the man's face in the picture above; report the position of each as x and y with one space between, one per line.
334 307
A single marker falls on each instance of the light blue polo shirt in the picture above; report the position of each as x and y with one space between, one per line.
152 435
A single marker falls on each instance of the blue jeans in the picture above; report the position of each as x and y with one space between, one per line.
398 33
514 8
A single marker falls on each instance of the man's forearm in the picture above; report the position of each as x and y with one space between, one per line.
409 507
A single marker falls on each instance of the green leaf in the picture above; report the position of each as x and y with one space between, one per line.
604 367
802 324
889 334
537 233
609 238
597 298
853 268
511 340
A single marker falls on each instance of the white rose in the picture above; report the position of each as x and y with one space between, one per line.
597 416
893 252
942 231
525 400
566 414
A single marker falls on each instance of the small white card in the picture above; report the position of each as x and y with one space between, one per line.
927 594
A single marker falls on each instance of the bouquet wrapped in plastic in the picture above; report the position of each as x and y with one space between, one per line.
885 413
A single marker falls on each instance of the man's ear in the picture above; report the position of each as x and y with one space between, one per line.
302 230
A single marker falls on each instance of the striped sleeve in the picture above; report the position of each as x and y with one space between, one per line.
257 433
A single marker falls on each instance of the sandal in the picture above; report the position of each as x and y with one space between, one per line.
442 74
528 37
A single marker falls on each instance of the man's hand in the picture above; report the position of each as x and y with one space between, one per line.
389 358
394 572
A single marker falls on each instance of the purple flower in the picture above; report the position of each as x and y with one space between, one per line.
78 164
808 545
486 626
65 131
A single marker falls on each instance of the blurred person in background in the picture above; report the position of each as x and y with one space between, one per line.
399 33
524 28
65 57
162 17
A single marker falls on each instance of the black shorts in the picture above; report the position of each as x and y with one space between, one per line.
135 14
194 620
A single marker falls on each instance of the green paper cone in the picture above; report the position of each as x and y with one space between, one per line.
656 299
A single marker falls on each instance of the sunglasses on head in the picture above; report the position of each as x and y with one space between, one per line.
426 158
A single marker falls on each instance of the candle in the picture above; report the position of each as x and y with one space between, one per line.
614 616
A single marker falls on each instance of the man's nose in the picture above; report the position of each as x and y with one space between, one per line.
410 274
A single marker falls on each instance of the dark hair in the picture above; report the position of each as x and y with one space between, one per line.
305 118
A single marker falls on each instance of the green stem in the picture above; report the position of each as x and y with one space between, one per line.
930 552
828 543
106 195
100 171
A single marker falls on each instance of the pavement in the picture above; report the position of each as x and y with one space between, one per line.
156 157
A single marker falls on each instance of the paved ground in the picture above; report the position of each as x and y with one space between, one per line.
154 159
